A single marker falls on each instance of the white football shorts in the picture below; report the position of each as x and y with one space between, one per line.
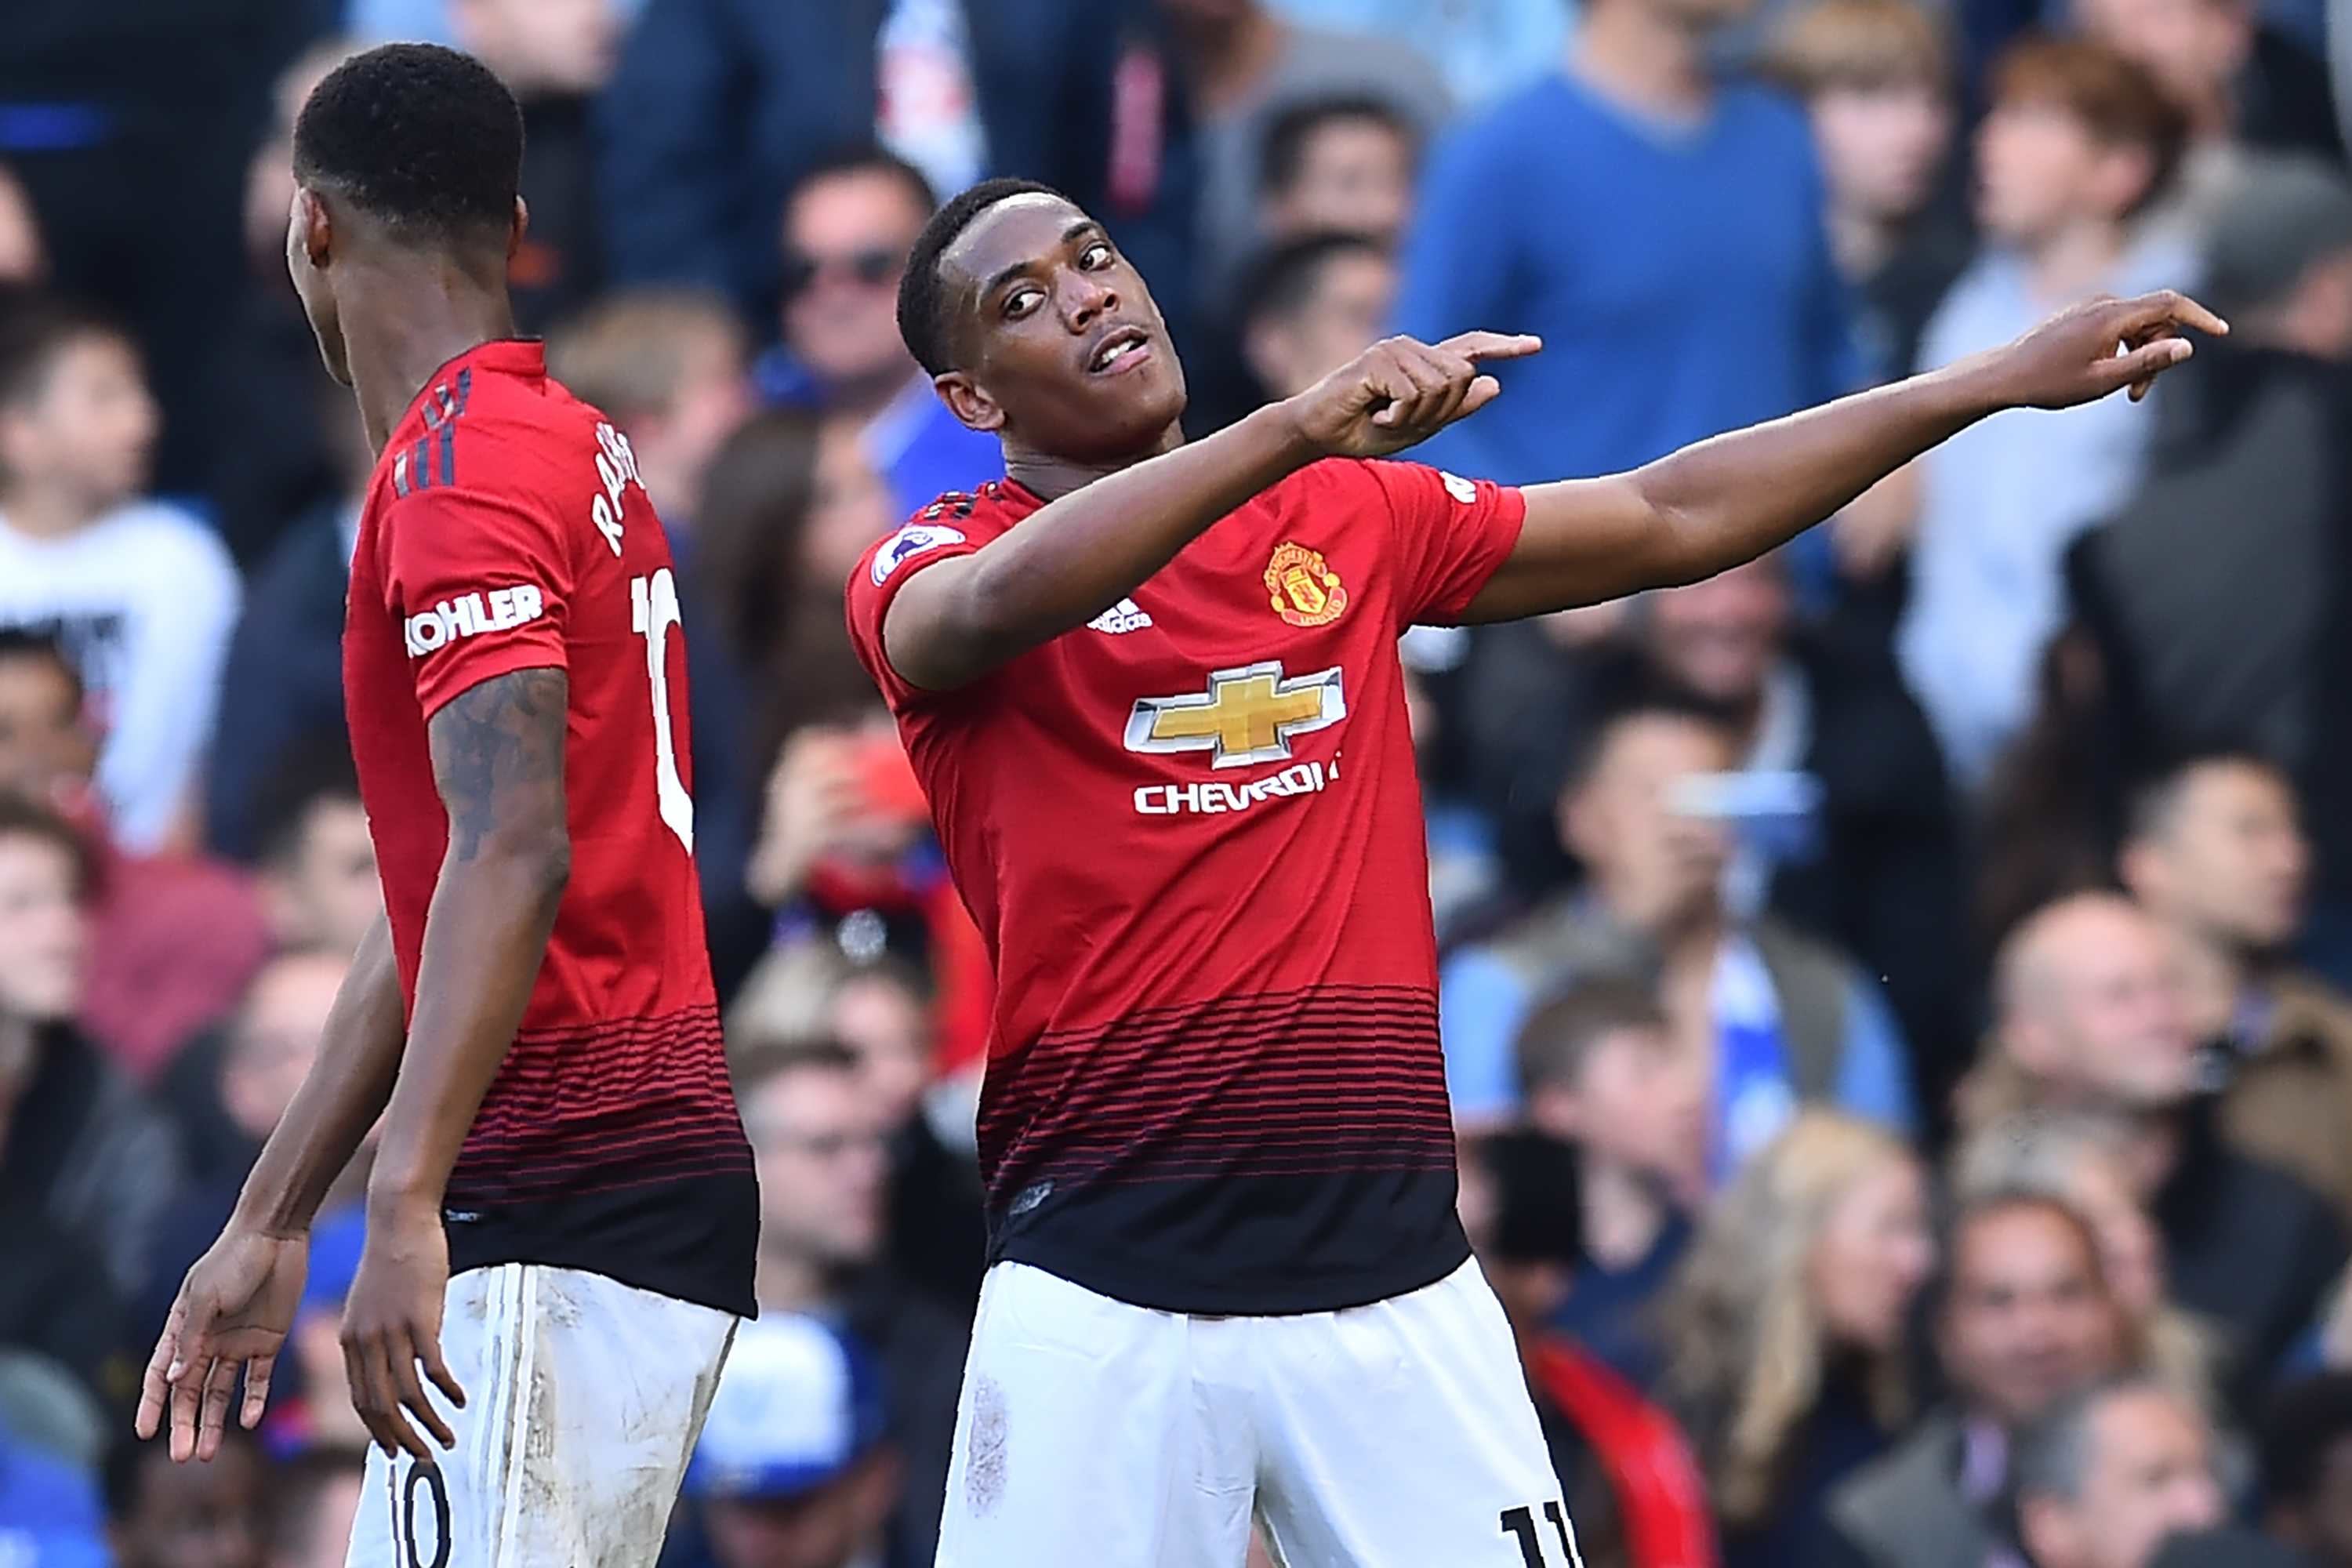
1398 1435
583 1399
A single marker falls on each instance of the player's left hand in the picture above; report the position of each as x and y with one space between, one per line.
2097 347
392 1324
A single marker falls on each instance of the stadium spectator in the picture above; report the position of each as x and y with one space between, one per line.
938 1240
1315 304
1784 1018
1712 235
1599 1070
1787 1333
2025 1319
1631 1485
2215 852
2306 1469
1875 76
205 1513
225 1093
2077 1161
847 226
1336 165
318 1497
317 863
2212 641
2089 1018
796 1467
291 457
173 937
2105 1479
281 701
2077 141
82 1144
668 368
23 260
1243 68
824 1164
49 1513
554 57
719 107
1874 863
2245 84
140 593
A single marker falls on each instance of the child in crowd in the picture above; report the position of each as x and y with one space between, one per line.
1339 165
141 594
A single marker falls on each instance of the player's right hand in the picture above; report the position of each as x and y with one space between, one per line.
234 1310
1400 391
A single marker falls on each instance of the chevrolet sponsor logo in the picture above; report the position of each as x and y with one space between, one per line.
1247 716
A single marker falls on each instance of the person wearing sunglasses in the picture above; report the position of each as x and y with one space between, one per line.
847 226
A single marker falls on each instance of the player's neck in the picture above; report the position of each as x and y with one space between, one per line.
403 322
1050 478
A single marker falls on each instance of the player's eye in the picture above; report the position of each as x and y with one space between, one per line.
1023 300
1098 253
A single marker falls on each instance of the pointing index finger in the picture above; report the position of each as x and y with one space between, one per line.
1477 346
2167 305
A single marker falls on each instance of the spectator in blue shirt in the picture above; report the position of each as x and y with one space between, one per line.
847 228
1662 234
1785 1019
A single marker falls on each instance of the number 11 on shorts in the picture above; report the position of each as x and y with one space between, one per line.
1521 1523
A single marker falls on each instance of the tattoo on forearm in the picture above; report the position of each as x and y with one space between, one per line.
498 754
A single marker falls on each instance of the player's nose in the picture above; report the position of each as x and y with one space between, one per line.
1086 297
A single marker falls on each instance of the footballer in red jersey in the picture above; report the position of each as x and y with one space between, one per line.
1153 691
562 1216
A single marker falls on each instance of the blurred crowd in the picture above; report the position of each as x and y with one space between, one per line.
1891 991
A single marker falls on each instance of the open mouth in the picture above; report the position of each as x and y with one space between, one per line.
1120 347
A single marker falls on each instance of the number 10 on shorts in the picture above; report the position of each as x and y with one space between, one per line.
1521 1523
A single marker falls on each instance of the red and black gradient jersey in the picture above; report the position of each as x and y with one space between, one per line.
1191 834
504 528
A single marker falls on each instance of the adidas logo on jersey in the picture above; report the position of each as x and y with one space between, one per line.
1127 616
470 614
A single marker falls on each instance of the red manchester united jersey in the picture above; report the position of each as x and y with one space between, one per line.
505 530
1192 834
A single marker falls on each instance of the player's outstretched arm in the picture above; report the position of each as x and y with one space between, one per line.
1082 553
237 1301
1712 505
498 759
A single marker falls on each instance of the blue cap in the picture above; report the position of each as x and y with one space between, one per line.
798 1404
335 1243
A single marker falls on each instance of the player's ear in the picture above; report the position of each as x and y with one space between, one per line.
520 225
968 402
313 227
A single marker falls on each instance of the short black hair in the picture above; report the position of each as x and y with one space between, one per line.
866 158
922 298
1283 158
318 770
2148 813
1289 277
35 327
423 138
42 645
1661 703
2305 1420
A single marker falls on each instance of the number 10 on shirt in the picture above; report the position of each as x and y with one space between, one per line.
653 613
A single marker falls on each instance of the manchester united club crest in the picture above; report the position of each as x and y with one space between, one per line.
1306 592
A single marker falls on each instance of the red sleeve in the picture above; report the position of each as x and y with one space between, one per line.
482 584
1450 535
881 572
